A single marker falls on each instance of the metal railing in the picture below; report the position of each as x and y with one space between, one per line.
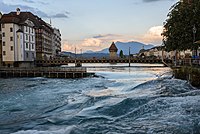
188 62
46 69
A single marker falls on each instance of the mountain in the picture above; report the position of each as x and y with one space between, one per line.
89 51
135 47
85 55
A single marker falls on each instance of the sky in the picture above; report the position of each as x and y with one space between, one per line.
95 24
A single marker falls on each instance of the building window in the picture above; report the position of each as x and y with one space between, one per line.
3 34
26 45
11 38
3 25
26 37
11 48
26 55
32 46
4 43
32 38
11 29
33 56
4 52
26 29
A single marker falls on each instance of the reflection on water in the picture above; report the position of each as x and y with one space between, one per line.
121 100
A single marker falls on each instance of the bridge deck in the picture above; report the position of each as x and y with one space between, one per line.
67 61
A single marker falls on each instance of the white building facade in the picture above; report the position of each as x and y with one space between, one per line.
18 42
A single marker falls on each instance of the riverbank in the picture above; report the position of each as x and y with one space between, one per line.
189 73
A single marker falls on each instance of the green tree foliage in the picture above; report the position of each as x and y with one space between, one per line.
178 28
121 54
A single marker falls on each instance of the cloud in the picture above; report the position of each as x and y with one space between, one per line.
155 0
8 8
29 1
101 41
151 0
105 36
66 46
59 15
152 36
111 37
91 42
86 44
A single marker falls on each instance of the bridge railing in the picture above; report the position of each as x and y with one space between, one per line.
46 69
188 62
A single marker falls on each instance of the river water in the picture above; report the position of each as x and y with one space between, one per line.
121 100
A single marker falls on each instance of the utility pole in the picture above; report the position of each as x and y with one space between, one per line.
81 53
194 38
75 56
129 58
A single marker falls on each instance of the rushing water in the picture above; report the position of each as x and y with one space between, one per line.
120 101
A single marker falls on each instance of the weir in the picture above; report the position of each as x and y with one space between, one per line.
50 72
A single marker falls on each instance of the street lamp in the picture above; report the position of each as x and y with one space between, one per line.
194 33
129 57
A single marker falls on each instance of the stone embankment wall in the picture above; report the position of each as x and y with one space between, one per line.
191 74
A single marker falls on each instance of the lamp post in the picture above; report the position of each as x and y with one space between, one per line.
75 56
194 38
129 57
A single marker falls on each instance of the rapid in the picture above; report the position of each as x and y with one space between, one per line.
144 98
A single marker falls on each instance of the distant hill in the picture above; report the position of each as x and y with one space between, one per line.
85 55
135 47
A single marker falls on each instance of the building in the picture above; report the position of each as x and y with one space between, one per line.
0 43
113 51
18 40
38 40
56 43
44 34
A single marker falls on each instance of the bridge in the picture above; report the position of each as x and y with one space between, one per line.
59 62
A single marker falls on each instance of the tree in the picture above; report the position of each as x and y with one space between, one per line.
121 54
178 29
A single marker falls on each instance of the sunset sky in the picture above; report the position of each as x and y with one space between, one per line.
94 24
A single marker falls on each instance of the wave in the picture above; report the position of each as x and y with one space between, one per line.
68 130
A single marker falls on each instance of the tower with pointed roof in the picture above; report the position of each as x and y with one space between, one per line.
113 51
